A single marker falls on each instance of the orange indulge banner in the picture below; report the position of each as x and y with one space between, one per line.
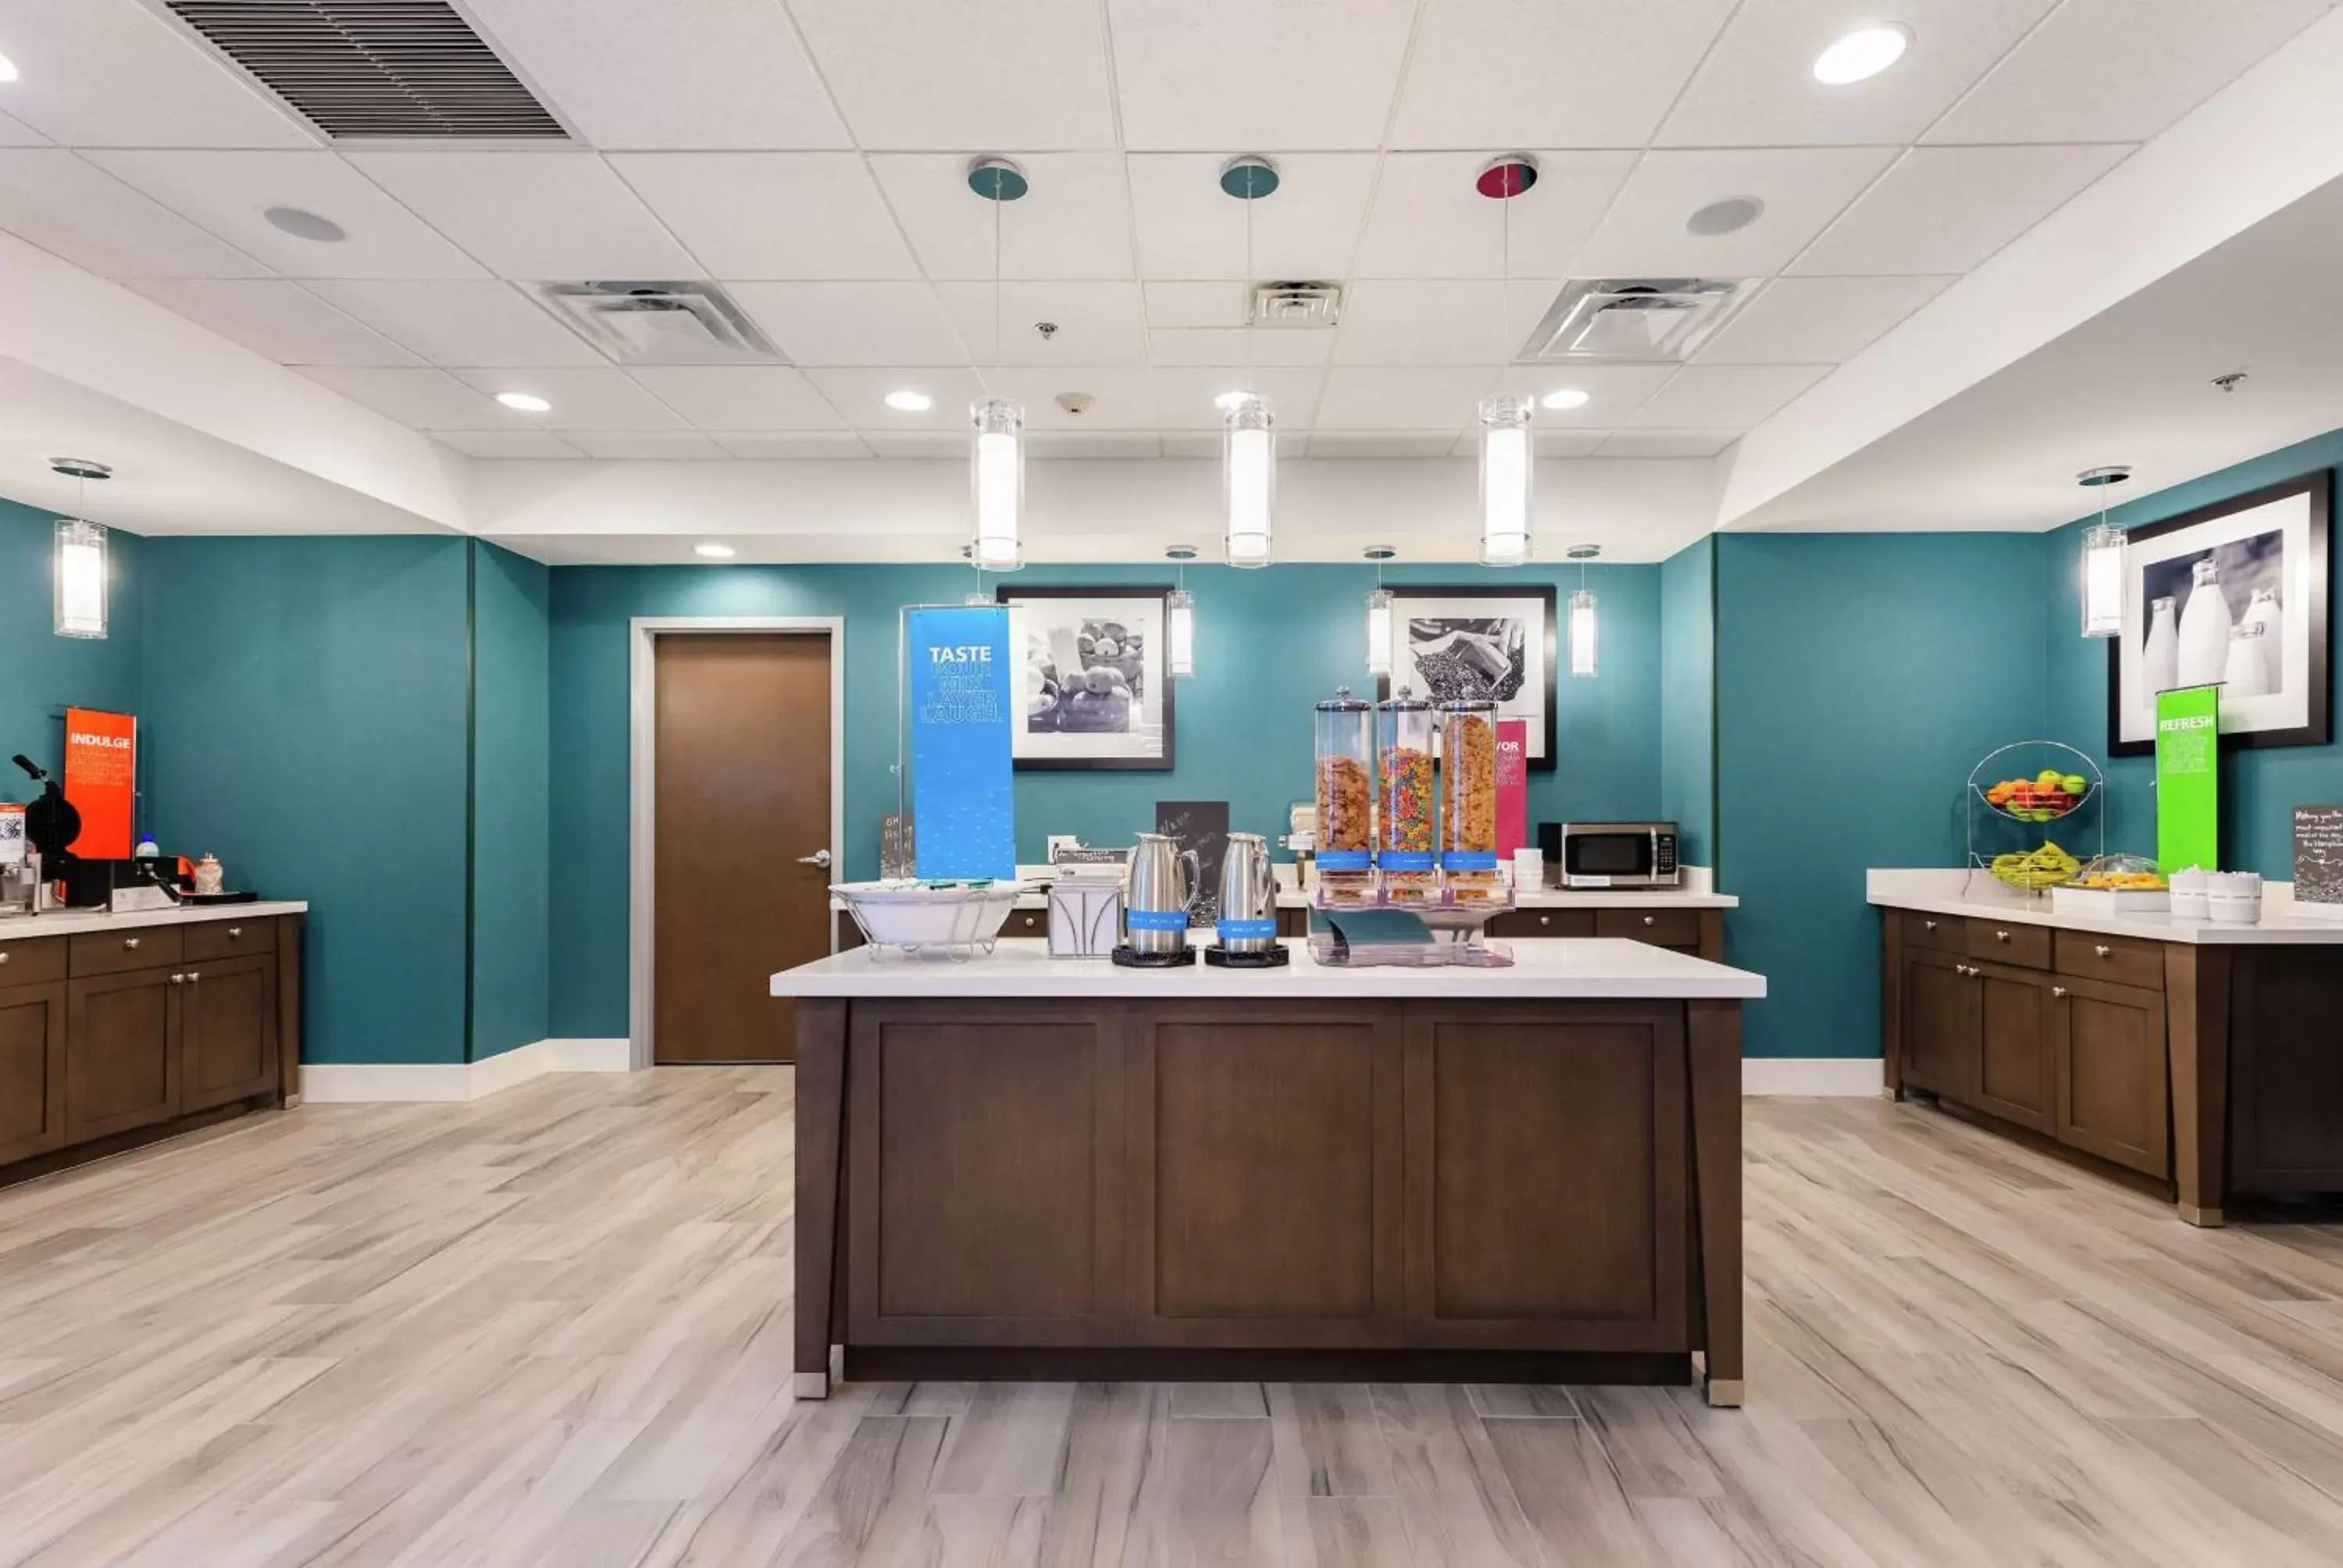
101 781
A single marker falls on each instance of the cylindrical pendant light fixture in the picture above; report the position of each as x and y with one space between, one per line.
1506 471
1249 476
997 464
80 599
1180 619
1379 615
2103 559
1584 631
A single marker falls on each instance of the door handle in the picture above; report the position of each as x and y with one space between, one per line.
819 857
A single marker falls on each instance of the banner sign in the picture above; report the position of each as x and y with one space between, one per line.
961 792
101 781
1513 786
2188 778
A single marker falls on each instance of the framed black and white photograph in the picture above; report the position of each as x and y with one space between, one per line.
2231 594
1091 677
1454 643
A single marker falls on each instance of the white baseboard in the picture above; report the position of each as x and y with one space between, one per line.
454 1082
1828 1075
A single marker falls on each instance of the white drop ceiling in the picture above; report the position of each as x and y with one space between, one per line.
809 156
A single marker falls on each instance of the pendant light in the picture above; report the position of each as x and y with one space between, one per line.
997 469
1583 631
1248 425
1379 615
2103 558
1508 459
1180 619
80 596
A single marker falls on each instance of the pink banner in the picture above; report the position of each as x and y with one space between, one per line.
1513 785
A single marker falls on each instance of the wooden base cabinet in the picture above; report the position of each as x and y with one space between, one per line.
228 1032
2112 1096
31 1069
121 1054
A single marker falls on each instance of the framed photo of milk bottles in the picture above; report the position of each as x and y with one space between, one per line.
1090 677
2231 594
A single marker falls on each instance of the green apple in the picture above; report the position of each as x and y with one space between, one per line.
2074 784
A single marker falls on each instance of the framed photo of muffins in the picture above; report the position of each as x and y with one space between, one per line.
1452 643
2231 594
1090 677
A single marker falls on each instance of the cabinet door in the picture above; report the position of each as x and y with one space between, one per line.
2113 1078
228 1032
31 1069
1542 923
2016 1079
1940 1024
122 1062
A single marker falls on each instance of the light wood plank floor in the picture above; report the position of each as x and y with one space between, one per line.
553 1329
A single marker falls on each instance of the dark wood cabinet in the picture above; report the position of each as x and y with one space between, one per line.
2111 1078
228 1031
32 1069
2014 1077
1517 923
122 1057
1940 1029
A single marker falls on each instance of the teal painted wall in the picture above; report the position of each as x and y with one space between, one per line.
1688 700
1859 679
1268 645
41 672
512 598
305 702
2259 787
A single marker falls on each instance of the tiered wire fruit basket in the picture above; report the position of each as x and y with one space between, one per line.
2032 794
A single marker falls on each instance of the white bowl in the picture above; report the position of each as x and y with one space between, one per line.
2234 908
912 915
2190 906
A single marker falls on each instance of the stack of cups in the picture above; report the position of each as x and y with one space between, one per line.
2188 895
2234 898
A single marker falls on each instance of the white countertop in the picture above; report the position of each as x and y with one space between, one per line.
1543 968
71 923
1978 897
1533 899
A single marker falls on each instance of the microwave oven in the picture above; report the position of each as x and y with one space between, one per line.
1611 854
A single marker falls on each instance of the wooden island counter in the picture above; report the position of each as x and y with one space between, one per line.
1026 1167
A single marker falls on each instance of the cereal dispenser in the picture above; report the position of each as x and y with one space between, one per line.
1468 813
1346 874
1406 806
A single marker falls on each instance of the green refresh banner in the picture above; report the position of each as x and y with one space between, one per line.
2188 778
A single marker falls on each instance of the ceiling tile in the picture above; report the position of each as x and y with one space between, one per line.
1818 321
1058 444
648 447
1757 87
711 73
1207 73
1803 190
426 399
860 395
773 215
1550 444
1228 346
535 215
1494 74
1612 392
602 399
918 75
508 444
15 133
2120 70
1397 321
68 206
1122 397
1188 227
931 446
227 191
1096 323
470 322
1430 222
1946 209
1375 399
1218 303
1381 444
1073 222
1667 443
1724 397
279 320
1193 446
740 396
796 446
113 74
1184 394
878 323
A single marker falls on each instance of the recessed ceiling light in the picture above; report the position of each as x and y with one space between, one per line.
1862 54
1725 217
303 224
910 402
7 69
524 402
1563 398
714 552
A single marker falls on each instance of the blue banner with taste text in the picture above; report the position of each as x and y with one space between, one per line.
963 807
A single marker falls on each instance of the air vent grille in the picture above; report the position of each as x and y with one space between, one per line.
1635 320
374 67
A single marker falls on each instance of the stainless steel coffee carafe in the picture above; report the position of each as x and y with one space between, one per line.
1248 895
1157 898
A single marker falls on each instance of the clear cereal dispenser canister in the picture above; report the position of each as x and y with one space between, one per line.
1346 792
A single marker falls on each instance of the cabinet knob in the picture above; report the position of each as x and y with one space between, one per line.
2057 990
130 941
234 931
193 976
2102 950
3 956
1029 922
1651 919
1546 919
2001 936
1927 925
179 980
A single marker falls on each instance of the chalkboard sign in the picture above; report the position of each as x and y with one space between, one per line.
1202 826
2319 860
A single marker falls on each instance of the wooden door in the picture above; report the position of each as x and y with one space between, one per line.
122 1058
2114 1083
2016 1080
228 1032
742 738
1940 1024
31 1069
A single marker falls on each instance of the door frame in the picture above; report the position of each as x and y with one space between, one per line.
642 776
